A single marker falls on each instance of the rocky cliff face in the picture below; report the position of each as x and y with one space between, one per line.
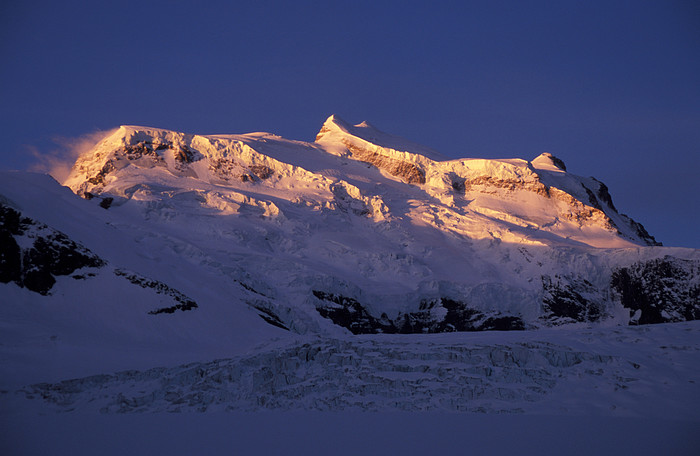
434 316
32 255
661 290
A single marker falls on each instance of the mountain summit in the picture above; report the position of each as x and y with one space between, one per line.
170 247
366 232
505 200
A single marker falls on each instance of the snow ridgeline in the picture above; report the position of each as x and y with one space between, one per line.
381 235
188 248
501 200
581 372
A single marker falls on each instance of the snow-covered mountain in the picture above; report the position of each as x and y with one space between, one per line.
381 235
171 248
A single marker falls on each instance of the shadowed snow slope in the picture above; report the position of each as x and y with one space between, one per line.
173 248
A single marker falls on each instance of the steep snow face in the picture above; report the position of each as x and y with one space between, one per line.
336 130
512 201
548 162
502 199
374 233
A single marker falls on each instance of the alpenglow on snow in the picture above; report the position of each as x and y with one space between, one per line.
365 232
271 256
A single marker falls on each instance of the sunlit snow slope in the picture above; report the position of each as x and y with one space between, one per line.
376 234
171 248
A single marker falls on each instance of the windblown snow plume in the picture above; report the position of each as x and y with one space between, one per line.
59 161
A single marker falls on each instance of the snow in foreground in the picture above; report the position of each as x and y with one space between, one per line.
633 372
626 390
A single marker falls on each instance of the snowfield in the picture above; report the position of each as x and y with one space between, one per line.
358 273
627 372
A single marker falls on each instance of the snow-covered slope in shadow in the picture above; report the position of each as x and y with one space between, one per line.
623 373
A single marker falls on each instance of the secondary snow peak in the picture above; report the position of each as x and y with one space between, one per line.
336 131
549 162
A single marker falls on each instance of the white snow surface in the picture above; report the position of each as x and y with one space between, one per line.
634 372
255 221
285 217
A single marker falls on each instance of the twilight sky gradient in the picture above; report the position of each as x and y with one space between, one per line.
611 87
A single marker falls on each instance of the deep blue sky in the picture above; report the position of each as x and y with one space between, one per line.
611 87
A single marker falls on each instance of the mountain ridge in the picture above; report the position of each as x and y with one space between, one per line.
449 181
280 257
345 234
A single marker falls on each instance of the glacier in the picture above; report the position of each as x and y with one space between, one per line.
177 272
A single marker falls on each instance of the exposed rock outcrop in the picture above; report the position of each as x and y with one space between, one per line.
409 172
433 316
660 290
570 300
182 302
48 253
